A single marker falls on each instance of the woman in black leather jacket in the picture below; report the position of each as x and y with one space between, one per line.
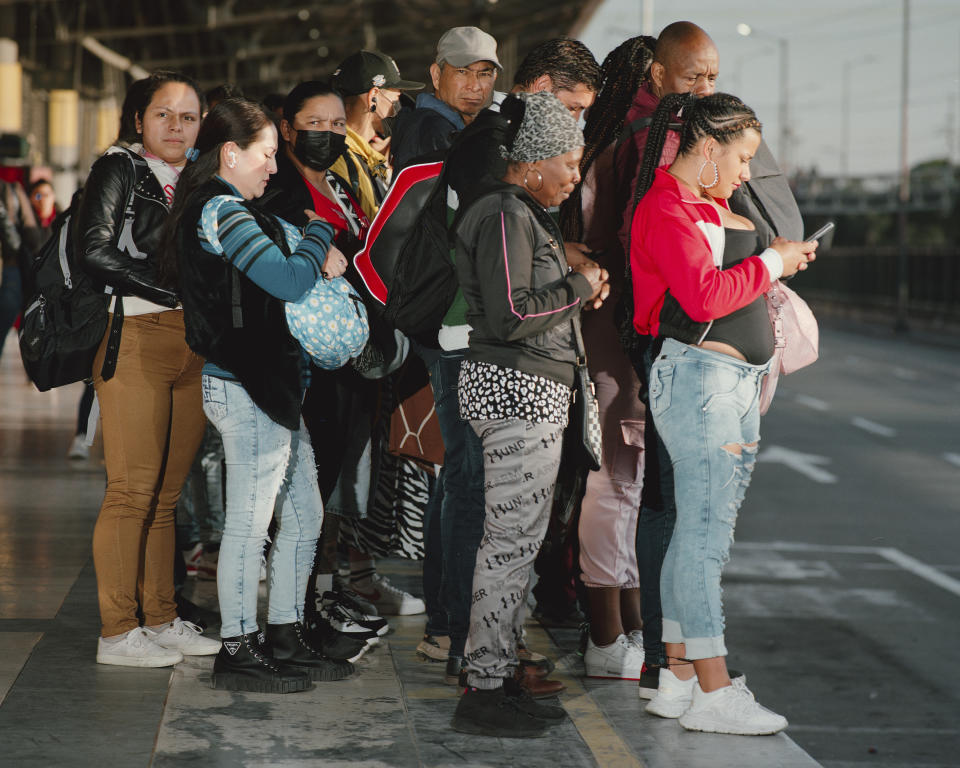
146 378
524 306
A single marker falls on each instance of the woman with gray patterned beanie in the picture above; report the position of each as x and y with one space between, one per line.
523 308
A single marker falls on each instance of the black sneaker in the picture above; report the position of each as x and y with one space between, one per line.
289 645
354 611
326 638
242 664
493 713
551 713
649 681
451 675
341 621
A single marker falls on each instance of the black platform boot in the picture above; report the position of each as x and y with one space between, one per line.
288 644
243 664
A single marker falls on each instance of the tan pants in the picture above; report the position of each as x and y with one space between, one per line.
152 419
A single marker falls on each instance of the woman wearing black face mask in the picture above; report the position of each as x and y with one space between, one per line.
314 132
340 406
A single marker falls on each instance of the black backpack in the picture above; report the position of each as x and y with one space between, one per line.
405 262
64 321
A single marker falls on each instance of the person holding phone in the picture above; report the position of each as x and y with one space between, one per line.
699 274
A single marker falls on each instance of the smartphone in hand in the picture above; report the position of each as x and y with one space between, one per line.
825 229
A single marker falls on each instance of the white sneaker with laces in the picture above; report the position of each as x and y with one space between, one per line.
621 660
673 695
184 636
79 448
731 709
388 599
136 649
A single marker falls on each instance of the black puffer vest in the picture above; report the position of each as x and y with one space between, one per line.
233 322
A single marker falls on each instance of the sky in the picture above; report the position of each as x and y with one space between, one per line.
825 40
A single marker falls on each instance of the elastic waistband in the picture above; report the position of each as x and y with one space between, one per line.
672 347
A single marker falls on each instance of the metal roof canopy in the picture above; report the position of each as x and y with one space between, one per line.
261 47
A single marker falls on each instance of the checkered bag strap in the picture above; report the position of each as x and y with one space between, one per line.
589 411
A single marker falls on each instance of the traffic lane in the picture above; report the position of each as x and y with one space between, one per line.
875 491
918 398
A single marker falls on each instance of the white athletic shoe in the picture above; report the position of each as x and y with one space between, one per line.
78 448
136 649
386 598
185 637
673 695
731 709
621 660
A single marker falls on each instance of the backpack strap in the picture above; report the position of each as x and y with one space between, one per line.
124 243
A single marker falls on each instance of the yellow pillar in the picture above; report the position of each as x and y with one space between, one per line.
63 128
108 122
11 88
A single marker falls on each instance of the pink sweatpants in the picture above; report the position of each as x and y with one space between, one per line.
608 517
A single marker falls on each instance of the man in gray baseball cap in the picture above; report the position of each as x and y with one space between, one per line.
463 76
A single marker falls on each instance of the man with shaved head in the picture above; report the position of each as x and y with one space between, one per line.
685 61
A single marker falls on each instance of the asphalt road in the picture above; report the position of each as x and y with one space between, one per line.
843 592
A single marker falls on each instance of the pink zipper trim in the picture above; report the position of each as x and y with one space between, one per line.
506 267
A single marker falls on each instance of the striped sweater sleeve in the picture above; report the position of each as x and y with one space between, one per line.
250 250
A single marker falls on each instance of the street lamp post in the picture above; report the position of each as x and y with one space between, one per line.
783 44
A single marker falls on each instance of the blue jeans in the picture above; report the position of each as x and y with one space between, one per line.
705 405
268 466
454 524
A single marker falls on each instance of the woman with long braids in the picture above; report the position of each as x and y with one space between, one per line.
611 503
699 275
237 266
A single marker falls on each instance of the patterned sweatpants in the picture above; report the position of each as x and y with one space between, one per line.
520 461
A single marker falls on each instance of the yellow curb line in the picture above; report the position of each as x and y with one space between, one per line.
609 750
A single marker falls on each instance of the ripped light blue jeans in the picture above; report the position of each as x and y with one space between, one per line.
705 407
267 466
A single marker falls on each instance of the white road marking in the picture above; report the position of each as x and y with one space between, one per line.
813 402
952 458
895 556
873 428
906 374
804 463
872 730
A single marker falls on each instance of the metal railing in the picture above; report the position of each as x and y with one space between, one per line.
864 278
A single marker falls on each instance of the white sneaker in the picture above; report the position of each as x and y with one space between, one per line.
731 709
621 660
673 695
185 637
136 649
79 448
636 637
388 599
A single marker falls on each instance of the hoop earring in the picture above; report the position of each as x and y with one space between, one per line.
716 174
539 176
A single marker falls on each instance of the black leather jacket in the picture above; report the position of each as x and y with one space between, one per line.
100 221
522 299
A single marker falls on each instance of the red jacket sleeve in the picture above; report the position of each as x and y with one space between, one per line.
682 254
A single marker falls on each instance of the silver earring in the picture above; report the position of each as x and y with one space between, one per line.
539 179
716 174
